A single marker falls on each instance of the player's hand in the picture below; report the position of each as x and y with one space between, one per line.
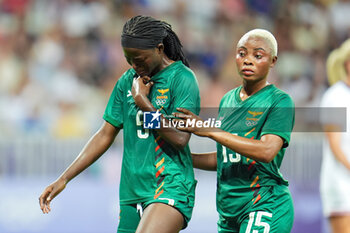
187 115
141 86
50 193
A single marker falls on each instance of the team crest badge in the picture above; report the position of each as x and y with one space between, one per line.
161 99
252 121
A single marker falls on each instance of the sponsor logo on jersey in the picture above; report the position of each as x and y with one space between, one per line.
151 120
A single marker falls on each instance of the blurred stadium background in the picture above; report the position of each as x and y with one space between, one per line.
60 59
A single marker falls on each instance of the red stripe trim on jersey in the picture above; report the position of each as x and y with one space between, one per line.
157 190
257 199
159 172
245 135
157 138
256 189
251 165
160 193
160 144
254 181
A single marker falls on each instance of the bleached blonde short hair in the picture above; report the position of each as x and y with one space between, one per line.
264 34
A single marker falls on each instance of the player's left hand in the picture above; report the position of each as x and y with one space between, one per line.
141 86
186 115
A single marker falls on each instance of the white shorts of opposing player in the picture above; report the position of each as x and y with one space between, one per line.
334 186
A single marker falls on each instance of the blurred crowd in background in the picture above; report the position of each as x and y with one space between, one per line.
60 59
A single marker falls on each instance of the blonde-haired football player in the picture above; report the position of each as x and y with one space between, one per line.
335 171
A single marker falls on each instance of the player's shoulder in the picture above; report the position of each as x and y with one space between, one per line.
125 79
276 92
335 89
231 93
229 96
182 72
127 75
182 77
279 95
333 94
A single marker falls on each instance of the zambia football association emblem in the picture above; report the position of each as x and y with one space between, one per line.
252 121
161 99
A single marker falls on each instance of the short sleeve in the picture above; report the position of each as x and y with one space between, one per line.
280 120
186 92
114 111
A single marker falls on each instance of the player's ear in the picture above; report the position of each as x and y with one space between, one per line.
273 62
160 48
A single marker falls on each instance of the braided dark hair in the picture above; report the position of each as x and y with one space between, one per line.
145 32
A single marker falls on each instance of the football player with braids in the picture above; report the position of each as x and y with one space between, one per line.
157 181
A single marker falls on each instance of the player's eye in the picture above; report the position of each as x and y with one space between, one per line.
258 56
241 53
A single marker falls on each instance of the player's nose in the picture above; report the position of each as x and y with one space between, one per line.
247 61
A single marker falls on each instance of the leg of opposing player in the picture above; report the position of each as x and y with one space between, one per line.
340 224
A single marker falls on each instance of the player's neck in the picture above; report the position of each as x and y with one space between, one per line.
251 88
166 62
347 81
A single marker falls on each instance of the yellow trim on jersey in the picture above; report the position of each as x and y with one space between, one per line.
160 163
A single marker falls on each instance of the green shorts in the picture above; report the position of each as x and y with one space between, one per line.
273 213
130 214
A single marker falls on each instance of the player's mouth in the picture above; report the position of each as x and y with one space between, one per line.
247 72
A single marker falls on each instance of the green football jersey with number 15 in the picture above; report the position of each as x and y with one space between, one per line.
240 179
151 168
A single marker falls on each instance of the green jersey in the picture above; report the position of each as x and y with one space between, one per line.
241 180
151 168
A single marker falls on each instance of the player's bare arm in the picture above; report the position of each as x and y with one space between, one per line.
263 150
93 150
334 139
140 90
205 161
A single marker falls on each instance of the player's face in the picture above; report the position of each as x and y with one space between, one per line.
253 59
146 62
